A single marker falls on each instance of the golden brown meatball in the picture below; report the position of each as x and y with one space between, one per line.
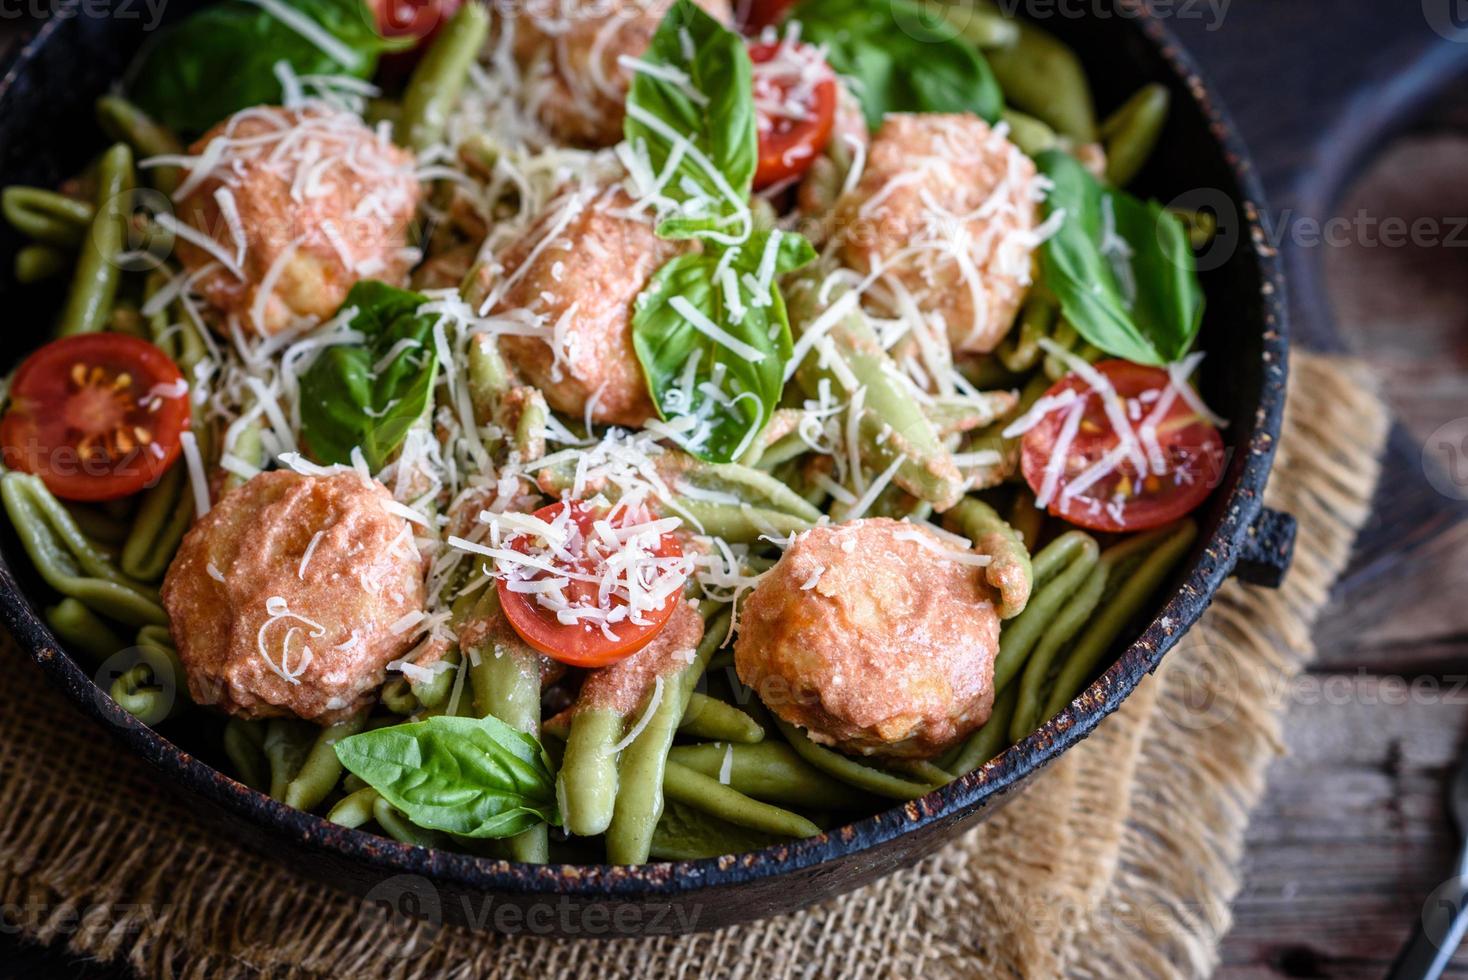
299 204
289 597
870 637
570 50
947 208
577 270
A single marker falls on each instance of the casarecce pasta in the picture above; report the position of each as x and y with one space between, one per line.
579 433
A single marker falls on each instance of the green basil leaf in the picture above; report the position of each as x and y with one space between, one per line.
1121 268
710 116
900 58
748 378
222 59
345 403
476 777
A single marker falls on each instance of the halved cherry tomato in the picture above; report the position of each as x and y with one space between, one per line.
756 15
583 643
1099 484
795 108
417 19
96 416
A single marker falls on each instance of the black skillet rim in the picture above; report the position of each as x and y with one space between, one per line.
667 879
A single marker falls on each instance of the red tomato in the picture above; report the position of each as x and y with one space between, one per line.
417 19
1184 461
756 15
583 643
96 416
795 108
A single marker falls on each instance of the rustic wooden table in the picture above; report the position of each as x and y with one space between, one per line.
1352 834
1358 111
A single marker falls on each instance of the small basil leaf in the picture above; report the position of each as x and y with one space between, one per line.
369 395
476 777
1121 268
222 59
677 358
900 58
711 116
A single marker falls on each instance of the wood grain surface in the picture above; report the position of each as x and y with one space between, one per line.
1353 833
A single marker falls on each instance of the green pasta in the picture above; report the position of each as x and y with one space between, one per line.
288 742
440 77
1069 621
321 769
136 690
94 285
1131 133
850 771
694 789
356 809
506 681
125 122
587 783
711 718
244 745
640 770
1120 606
46 216
37 263
1043 77
991 739
771 771
79 628
687 834
69 563
893 426
164 516
1059 570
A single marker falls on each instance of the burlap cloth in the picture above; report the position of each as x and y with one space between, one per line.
1121 860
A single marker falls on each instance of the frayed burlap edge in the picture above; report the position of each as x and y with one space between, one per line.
1119 861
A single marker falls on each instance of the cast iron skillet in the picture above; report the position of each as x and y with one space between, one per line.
46 133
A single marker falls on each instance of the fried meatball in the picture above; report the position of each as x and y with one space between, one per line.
570 51
872 639
299 205
576 272
947 208
283 598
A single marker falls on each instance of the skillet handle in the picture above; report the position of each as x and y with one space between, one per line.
1265 556
1437 935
